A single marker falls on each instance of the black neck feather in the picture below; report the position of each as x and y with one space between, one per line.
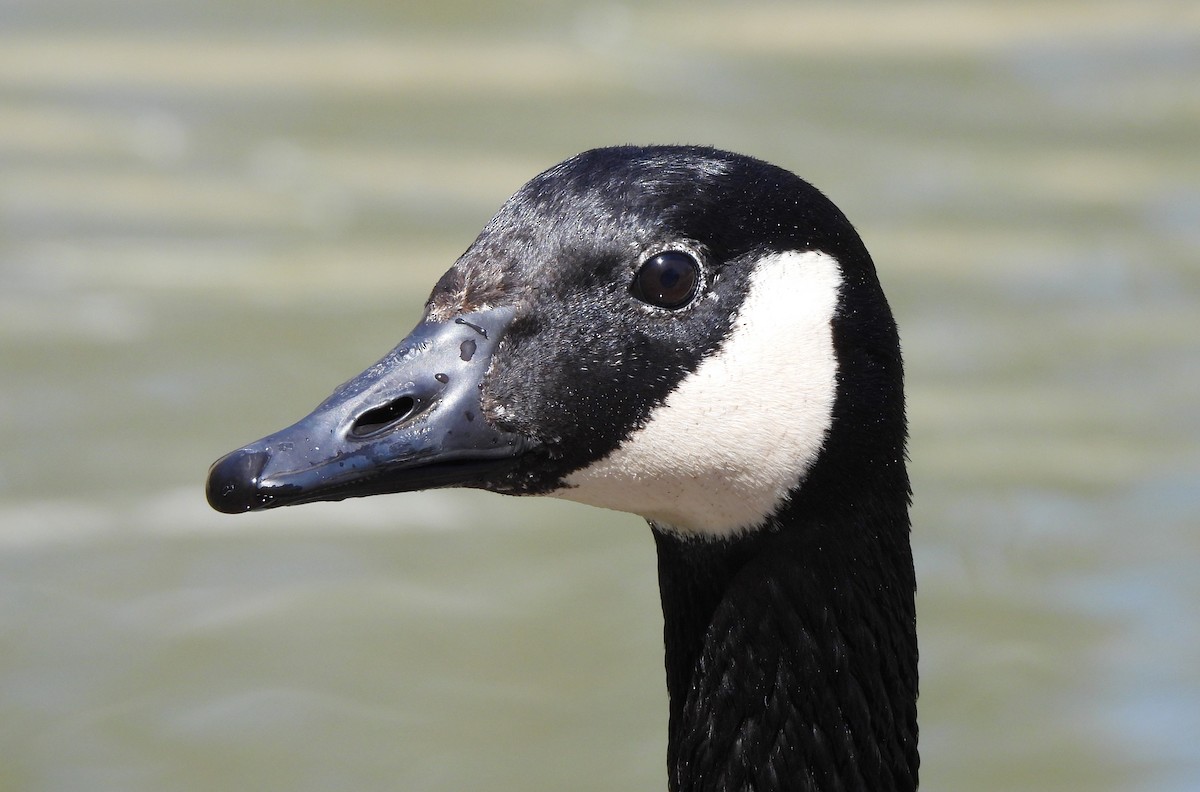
791 654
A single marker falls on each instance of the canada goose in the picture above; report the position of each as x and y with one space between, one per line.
699 338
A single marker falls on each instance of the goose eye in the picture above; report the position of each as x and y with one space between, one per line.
668 280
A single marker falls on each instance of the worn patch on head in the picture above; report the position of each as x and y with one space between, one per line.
722 452
465 288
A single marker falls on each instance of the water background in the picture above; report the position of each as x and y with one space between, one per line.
212 213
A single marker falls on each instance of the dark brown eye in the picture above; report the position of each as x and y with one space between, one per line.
668 280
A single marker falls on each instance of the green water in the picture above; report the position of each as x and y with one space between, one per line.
211 214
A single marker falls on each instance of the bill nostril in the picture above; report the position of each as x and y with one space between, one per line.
381 418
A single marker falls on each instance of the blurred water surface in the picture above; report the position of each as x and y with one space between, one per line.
211 214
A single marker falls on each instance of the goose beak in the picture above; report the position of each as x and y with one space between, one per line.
410 422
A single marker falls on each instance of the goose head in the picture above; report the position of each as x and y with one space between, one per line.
675 332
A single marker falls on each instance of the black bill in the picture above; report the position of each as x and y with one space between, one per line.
410 422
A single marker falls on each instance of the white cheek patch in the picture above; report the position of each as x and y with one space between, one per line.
728 444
